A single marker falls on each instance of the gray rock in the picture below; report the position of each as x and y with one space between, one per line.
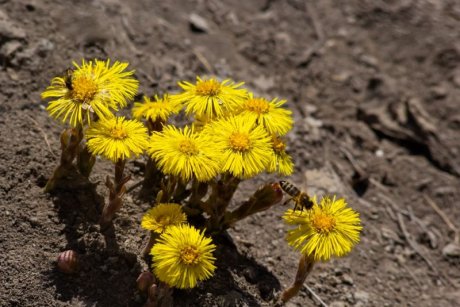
369 60
8 29
451 250
9 48
264 83
438 92
361 296
43 47
198 23
338 304
346 279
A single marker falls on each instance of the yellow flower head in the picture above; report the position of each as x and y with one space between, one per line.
270 114
246 147
185 153
157 109
117 138
94 87
210 97
162 216
183 256
328 229
280 161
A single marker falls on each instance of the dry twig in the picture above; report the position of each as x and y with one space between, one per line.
316 296
203 61
412 243
308 54
443 216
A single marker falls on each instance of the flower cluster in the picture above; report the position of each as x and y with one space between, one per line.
228 134
233 132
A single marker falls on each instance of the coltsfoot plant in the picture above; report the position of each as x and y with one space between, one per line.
328 229
223 135
82 95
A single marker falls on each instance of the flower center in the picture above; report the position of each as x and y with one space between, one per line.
118 133
189 255
258 105
278 145
240 141
83 89
323 223
208 88
188 147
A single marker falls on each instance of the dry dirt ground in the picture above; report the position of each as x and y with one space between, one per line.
374 87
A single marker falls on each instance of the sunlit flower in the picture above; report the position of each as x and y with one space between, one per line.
183 256
117 138
270 114
94 87
280 161
328 229
246 147
162 216
210 97
185 153
157 109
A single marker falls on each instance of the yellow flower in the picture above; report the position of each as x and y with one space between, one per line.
162 216
210 97
158 109
270 114
183 256
328 229
246 147
94 87
280 161
117 138
185 153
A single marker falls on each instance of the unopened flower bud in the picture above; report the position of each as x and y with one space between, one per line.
144 281
67 262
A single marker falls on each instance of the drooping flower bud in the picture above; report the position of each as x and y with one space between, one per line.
145 280
68 262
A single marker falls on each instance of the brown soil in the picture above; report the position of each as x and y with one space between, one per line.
374 86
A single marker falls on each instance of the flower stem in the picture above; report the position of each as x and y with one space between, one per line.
148 247
222 193
306 264
116 191
70 139
85 161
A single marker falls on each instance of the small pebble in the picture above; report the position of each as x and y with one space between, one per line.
451 250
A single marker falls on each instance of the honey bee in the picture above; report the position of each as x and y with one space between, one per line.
301 199
68 78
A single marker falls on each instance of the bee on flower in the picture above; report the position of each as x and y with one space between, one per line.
328 229
92 87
